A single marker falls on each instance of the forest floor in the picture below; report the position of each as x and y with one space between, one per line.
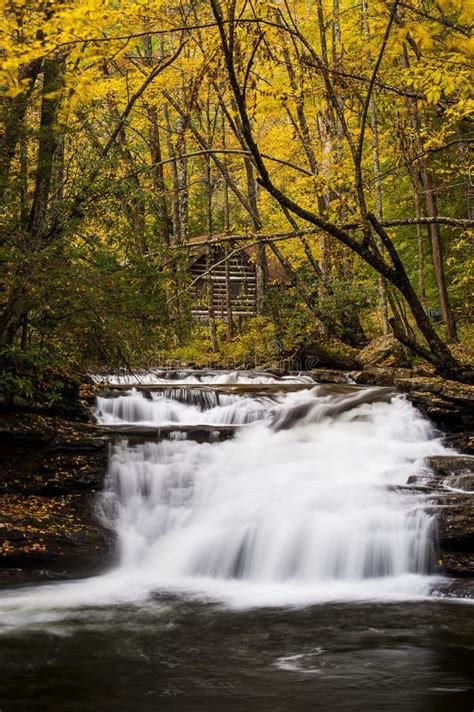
50 474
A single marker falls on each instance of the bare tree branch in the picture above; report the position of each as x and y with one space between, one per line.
383 46
133 99
279 236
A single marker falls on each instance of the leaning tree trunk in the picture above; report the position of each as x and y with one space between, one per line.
390 266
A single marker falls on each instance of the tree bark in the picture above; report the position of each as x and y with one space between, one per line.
376 169
228 288
209 288
13 122
261 258
432 212
159 187
36 226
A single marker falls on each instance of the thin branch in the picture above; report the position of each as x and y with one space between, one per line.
440 20
251 61
268 237
365 110
153 74
463 223
357 77
278 236
236 151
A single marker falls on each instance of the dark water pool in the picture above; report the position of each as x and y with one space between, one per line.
182 655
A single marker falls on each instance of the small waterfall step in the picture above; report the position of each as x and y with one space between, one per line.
253 388
200 433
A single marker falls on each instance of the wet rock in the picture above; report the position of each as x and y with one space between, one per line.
44 537
455 520
26 429
450 480
378 376
457 563
454 471
463 442
198 433
449 404
322 375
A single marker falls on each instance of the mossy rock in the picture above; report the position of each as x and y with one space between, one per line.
384 351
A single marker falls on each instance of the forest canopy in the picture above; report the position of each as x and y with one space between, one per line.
150 150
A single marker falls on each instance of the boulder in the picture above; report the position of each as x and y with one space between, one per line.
25 429
51 537
380 376
324 355
383 351
453 471
455 521
327 375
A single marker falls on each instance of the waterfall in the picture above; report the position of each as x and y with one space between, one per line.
306 503
306 495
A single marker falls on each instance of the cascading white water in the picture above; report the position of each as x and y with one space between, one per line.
191 406
165 408
196 378
307 496
303 505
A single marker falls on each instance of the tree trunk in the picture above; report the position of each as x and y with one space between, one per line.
35 238
175 214
160 204
13 122
431 211
48 145
133 203
261 258
228 287
209 288
376 169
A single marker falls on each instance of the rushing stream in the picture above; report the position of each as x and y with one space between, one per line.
270 557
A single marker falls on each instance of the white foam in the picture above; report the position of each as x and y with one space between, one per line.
196 378
272 517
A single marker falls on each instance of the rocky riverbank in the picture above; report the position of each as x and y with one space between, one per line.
50 474
450 483
52 470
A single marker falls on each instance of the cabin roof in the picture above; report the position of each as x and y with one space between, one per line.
198 245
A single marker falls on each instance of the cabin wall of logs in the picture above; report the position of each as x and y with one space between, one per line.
232 284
